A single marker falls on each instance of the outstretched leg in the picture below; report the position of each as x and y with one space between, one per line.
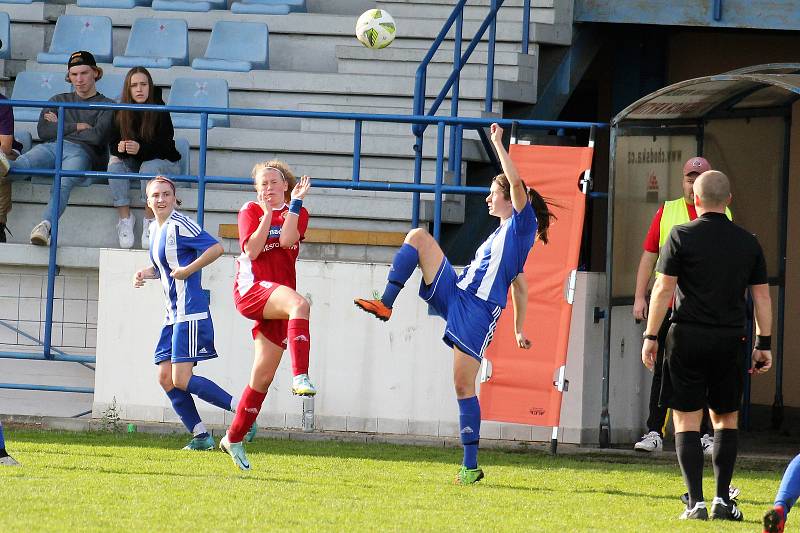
205 389
5 459
775 519
419 248
184 407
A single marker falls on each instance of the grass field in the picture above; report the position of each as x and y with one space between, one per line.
141 482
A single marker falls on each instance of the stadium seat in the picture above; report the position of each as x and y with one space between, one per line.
79 33
113 4
198 92
111 85
269 7
5 35
16 1
25 139
36 86
156 43
236 46
189 5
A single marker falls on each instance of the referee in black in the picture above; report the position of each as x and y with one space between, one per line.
711 261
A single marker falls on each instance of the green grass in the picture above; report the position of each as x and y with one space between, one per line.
140 482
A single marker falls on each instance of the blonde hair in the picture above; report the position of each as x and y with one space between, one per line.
283 169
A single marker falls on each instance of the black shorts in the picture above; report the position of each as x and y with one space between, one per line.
703 366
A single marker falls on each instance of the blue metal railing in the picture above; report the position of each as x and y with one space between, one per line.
202 179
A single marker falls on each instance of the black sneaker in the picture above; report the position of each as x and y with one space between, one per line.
698 512
725 511
3 230
733 493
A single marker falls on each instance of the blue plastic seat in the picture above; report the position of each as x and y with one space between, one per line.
113 4
79 33
236 46
198 92
110 85
156 43
16 1
269 7
36 86
5 35
189 5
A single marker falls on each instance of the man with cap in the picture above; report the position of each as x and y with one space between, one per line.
10 148
706 265
86 133
671 213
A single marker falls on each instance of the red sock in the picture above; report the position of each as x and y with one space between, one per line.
246 413
299 345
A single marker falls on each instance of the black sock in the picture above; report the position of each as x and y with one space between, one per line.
726 444
690 459
201 435
3 453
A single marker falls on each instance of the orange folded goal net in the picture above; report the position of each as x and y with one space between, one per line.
526 386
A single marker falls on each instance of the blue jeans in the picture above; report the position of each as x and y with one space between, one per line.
120 187
73 157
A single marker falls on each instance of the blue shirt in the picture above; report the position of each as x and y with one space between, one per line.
501 258
177 243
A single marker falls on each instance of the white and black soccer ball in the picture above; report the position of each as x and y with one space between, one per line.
375 29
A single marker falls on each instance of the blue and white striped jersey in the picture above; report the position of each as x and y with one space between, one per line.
177 243
501 258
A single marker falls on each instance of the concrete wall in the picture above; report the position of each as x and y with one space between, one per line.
391 378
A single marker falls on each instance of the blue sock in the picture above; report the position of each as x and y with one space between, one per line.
403 265
184 406
469 421
210 392
2 438
790 485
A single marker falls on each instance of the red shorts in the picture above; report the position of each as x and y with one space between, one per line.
251 306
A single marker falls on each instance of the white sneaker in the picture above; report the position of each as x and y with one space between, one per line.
146 232
8 461
5 166
40 235
302 386
650 442
125 231
707 442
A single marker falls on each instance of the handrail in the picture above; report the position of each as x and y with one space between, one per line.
203 179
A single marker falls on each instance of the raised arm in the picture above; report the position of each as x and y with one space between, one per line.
519 193
290 233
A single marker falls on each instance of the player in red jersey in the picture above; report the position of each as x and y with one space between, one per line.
270 232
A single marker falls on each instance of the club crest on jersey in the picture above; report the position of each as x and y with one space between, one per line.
171 240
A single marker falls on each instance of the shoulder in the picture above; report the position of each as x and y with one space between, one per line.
182 222
61 97
248 206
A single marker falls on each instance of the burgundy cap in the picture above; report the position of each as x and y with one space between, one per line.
696 165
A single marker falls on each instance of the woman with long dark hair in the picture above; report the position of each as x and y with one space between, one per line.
471 302
141 141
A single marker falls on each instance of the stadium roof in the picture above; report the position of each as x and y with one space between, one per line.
745 92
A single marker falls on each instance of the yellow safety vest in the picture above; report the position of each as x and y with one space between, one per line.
675 212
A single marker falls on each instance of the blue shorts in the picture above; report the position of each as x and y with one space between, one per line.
186 342
470 321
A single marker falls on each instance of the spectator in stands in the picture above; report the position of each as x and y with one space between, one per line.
85 138
141 141
10 149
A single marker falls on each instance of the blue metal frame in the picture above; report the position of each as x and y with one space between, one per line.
456 124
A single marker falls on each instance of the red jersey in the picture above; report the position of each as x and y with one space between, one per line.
273 264
650 243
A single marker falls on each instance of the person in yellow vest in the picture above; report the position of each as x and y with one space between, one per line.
671 213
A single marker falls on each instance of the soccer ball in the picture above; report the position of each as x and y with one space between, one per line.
375 29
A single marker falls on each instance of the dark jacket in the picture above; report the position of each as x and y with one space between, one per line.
162 146
94 140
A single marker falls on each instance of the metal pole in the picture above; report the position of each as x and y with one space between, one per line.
51 265
454 96
201 170
777 404
437 201
605 416
458 153
526 25
490 60
357 152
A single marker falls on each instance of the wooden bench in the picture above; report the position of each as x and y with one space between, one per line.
333 236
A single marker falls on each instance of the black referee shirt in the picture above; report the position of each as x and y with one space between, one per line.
715 261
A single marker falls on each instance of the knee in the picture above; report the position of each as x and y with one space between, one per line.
300 307
464 389
180 381
417 237
165 380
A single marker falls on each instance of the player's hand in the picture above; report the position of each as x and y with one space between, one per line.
80 126
497 133
762 361
180 273
523 341
263 202
132 147
139 279
301 188
649 350
640 308
49 116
